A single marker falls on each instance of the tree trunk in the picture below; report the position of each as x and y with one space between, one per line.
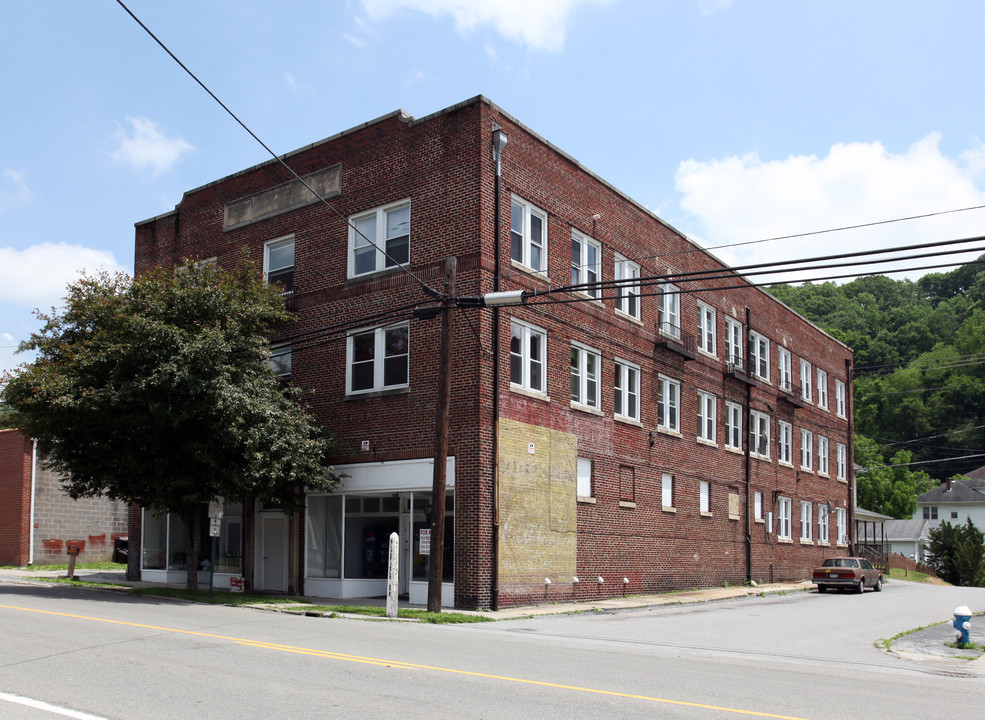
193 544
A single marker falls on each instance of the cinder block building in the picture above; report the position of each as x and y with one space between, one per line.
644 420
38 520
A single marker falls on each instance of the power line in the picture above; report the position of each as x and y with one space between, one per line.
427 288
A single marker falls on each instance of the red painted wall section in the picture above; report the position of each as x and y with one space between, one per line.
15 497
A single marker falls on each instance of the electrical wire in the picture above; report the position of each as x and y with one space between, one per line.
424 286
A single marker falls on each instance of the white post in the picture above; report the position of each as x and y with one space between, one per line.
392 576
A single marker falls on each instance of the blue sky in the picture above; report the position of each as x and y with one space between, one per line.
734 120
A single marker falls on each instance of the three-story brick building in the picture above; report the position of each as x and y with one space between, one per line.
647 420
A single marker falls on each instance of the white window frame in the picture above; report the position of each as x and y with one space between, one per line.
668 404
628 298
759 428
378 243
733 425
707 416
806 387
379 358
822 524
667 491
733 342
841 406
784 510
842 468
585 387
759 355
785 442
806 521
806 449
583 270
707 329
822 389
785 366
271 246
584 481
670 310
842 520
526 333
757 505
627 391
523 235
704 497
823 450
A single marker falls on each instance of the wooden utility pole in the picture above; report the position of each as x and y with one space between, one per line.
435 566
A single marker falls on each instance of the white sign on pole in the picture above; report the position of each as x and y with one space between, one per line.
425 543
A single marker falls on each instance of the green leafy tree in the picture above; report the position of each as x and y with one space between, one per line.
889 488
157 391
958 553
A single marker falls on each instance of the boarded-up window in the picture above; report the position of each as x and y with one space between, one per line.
627 483
733 503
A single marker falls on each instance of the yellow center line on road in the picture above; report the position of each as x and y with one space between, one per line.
331 655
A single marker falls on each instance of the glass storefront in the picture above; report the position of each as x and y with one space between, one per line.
164 542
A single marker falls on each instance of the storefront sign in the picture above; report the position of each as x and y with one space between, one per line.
425 541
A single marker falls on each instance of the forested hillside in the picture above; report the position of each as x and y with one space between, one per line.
919 370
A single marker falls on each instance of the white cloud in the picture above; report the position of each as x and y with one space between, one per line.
37 276
14 189
147 148
710 7
6 337
540 25
739 199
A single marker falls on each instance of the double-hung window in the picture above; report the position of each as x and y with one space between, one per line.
627 390
785 442
379 239
822 389
528 235
759 355
806 389
670 310
707 416
584 482
785 364
806 520
733 342
707 333
278 263
528 357
733 425
842 462
668 404
784 520
585 367
840 403
627 275
586 264
280 361
806 449
822 523
842 520
822 455
759 434
667 491
378 359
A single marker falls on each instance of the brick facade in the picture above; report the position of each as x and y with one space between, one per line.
443 165
91 523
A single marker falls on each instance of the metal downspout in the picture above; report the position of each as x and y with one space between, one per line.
497 265
748 465
34 479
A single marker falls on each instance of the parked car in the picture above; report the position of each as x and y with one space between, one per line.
847 572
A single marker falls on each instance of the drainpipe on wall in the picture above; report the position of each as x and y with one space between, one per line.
748 466
499 142
850 411
34 479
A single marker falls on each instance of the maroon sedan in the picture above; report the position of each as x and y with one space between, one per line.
847 572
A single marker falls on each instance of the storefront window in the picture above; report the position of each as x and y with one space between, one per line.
367 537
155 541
229 544
422 508
164 544
323 534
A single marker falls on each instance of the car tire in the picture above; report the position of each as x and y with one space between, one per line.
878 587
821 588
861 586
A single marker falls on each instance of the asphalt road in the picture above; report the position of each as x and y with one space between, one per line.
801 655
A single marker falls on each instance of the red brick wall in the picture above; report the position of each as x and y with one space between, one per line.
443 164
15 497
